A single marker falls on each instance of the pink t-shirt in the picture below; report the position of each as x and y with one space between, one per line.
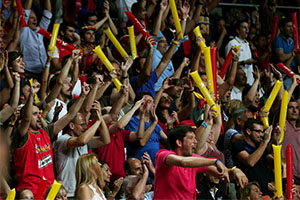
173 182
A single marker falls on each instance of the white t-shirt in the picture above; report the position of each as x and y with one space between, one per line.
65 162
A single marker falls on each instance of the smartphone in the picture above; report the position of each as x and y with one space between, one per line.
177 82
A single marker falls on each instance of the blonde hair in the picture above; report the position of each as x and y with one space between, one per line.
87 167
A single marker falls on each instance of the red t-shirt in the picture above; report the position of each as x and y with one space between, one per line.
33 161
174 182
114 153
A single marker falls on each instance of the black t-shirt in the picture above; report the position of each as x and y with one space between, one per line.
260 172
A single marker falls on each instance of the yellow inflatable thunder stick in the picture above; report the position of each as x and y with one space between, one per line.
277 169
204 91
208 69
11 195
116 43
176 18
270 101
36 98
283 112
54 37
108 65
54 190
197 33
132 42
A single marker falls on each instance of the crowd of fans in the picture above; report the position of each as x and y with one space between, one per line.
62 118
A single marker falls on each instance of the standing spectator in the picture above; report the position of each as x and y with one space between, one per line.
251 154
292 135
283 47
31 43
176 169
245 57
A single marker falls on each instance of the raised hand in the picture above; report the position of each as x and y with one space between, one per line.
167 83
125 67
149 40
267 134
163 5
85 89
58 108
185 9
235 52
16 76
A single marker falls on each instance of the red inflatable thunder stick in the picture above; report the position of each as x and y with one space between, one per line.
138 25
48 35
286 70
21 13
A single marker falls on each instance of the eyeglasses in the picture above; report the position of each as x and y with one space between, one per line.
259 131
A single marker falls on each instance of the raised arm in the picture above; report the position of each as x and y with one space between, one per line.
26 115
110 22
48 5
145 74
166 59
158 20
224 87
28 4
45 77
252 159
65 120
293 86
250 96
139 188
126 118
203 132
147 134
185 62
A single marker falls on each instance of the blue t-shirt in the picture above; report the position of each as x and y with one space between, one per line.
149 86
280 43
152 146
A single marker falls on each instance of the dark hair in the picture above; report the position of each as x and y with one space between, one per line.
284 21
238 24
136 7
178 133
249 124
126 166
12 56
140 95
65 25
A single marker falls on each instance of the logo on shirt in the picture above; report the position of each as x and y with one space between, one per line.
44 162
41 149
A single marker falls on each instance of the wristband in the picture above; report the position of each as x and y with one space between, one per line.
235 59
216 163
175 42
233 168
124 77
48 65
204 124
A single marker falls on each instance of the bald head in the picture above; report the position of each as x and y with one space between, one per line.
133 166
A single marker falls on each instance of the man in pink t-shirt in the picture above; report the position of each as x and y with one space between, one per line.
176 169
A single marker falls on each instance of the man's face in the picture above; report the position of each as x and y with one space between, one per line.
243 30
220 25
288 29
189 144
136 167
36 119
257 134
66 89
148 100
240 78
89 36
32 21
293 111
162 46
92 20
141 14
69 34
255 193
2 44
80 125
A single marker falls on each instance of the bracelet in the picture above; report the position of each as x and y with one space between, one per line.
216 163
192 90
204 124
124 77
235 59
233 168
47 65
175 42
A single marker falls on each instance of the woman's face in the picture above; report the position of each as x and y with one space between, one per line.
18 65
165 101
106 173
